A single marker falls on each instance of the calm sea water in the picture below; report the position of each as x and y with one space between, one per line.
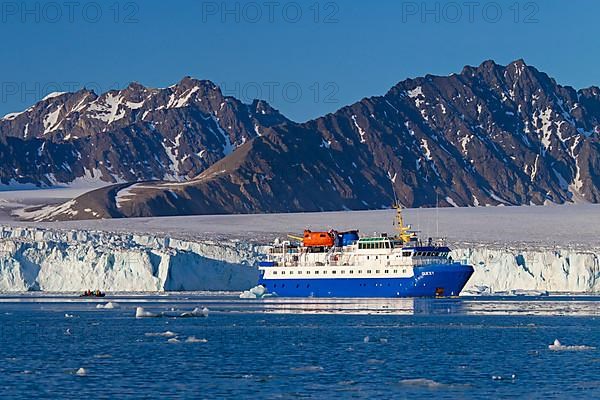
444 348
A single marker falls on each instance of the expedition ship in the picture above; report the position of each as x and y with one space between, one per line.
342 264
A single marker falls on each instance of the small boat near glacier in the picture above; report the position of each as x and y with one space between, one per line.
343 264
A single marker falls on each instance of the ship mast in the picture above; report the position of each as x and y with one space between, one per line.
402 231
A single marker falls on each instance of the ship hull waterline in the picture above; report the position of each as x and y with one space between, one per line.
432 280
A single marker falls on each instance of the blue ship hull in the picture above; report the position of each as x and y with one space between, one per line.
428 281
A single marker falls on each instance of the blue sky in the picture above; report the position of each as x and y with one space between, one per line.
306 57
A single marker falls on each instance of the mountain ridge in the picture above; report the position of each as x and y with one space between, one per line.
490 135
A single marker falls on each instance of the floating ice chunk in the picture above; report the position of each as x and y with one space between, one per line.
308 368
81 372
163 334
535 293
67 315
141 313
257 292
501 378
558 346
430 383
108 306
366 339
68 331
196 312
194 339
383 340
173 340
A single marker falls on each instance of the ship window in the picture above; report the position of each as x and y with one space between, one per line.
307 272
274 285
404 270
291 272
377 271
351 271
360 271
282 272
368 271
316 272
367 257
342 272
388 257
387 271
361 246
333 272
406 254
376 257
395 271
299 272
274 272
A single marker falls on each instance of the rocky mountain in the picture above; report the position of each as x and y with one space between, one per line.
490 135
127 135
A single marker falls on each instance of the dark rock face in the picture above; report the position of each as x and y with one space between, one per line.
128 135
490 135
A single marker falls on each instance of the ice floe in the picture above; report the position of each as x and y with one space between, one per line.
429 383
108 306
173 340
163 334
308 368
67 315
512 377
196 312
140 312
257 292
194 339
558 346
81 372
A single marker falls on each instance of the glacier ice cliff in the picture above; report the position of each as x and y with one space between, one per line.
52 260
544 269
79 259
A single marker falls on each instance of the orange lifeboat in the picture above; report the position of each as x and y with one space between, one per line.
314 239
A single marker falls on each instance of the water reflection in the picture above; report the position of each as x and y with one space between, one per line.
230 303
